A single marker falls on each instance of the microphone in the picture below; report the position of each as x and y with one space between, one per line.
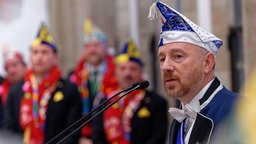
95 112
141 85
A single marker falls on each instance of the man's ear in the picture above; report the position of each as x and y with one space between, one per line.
209 62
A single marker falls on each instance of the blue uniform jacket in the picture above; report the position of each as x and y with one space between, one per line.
213 114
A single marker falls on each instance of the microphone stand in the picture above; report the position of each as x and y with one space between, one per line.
99 112
92 112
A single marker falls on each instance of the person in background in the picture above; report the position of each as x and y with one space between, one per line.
138 118
15 68
187 56
94 73
43 104
1 107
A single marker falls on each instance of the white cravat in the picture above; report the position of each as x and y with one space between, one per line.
186 112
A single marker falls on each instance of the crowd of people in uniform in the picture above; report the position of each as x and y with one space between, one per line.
38 103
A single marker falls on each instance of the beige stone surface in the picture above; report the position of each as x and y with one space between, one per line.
249 35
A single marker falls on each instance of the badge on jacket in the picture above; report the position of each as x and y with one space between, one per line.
144 113
58 96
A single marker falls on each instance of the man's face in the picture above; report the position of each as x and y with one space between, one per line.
182 70
94 52
42 58
128 73
15 70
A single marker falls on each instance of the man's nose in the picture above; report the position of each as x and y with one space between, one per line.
168 65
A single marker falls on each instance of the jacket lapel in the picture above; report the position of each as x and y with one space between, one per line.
202 130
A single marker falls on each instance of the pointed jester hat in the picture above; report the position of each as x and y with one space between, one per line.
178 28
129 53
92 33
44 37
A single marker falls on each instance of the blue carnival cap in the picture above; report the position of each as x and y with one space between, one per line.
129 53
44 37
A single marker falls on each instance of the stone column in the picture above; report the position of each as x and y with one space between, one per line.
249 35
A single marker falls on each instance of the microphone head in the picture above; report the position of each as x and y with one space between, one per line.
141 85
144 84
